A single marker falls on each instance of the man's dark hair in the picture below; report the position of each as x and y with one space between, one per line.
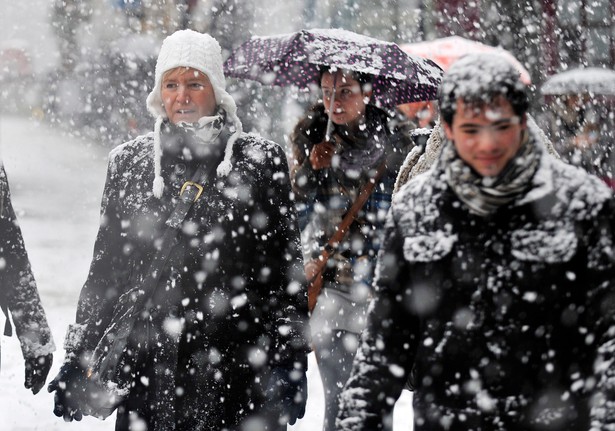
479 79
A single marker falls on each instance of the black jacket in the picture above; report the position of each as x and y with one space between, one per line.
503 322
18 292
231 309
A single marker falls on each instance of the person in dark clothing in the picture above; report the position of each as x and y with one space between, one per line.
495 284
221 345
19 296
582 130
327 177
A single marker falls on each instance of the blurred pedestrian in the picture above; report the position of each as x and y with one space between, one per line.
186 10
19 296
215 292
582 129
66 18
495 283
366 147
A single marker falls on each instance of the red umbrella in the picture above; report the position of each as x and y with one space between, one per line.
447 50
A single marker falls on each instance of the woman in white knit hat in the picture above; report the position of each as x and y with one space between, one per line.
219 343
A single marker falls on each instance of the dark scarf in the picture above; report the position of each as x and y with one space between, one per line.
484 195
363 149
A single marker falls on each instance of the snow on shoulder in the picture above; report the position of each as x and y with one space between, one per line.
131 152
261 155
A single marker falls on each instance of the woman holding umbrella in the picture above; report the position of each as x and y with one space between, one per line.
365 145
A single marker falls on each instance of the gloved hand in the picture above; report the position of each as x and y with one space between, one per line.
37 370
287 389
68 391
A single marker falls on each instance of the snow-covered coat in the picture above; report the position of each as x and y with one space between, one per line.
231 309
503 322
18 292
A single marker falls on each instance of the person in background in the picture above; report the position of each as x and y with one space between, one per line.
582 129
19 296
66 18
327 177
222 343
495 284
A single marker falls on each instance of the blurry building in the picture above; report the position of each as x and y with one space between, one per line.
583 32
546 35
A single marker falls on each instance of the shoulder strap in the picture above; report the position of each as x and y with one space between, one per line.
190 192
350 216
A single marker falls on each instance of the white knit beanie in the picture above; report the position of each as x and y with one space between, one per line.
188 48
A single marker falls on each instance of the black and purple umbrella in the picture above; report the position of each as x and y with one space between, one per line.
296 59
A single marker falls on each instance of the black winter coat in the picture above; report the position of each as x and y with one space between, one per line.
18 292
233 307
503 322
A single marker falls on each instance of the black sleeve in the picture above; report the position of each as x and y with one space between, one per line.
287 296
106 275
18 291
601 315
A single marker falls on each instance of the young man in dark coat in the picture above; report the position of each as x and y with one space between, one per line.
495 287
19 295
221 344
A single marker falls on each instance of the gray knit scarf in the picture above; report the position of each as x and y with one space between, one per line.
193 139
363 149
207 129
484 195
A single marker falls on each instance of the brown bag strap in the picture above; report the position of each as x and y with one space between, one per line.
350 216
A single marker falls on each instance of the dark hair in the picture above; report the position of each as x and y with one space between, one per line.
364 79
478 80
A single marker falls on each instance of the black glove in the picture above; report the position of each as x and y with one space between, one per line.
68 391
287 389
37 370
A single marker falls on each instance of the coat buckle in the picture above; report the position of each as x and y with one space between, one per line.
192 183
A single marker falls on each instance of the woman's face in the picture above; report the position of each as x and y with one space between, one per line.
350 100
187 95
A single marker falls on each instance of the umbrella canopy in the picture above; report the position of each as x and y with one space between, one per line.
296 59
581 81
446 51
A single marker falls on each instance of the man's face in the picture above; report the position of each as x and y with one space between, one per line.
486 136
187 95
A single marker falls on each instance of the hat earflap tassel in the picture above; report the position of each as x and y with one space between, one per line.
224 168
158 185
